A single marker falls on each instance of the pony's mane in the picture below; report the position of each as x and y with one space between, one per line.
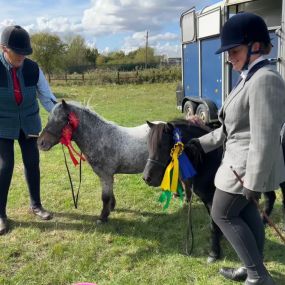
156 132
86 109
82 107
194 121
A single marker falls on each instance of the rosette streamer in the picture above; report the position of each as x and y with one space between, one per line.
66 137
179 166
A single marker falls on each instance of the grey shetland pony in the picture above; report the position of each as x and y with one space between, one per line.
108 148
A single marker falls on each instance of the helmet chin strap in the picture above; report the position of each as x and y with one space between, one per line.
249 53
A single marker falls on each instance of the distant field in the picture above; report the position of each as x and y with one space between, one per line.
141 244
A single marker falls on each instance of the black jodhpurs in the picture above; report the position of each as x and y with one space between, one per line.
30 156
241 224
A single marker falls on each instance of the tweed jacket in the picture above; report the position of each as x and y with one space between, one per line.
252 117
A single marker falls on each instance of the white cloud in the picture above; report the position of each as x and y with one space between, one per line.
6 22
98 20
56 25
111 16
164 37
166 43
106 17
168 49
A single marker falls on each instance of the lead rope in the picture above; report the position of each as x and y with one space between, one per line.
74 197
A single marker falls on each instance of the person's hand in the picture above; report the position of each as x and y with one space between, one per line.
251 195
194 152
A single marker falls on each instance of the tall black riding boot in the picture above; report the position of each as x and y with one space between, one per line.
263 280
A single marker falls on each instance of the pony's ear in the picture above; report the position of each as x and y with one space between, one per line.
64 105
150 124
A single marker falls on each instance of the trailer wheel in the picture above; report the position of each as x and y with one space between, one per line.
189 109
203 113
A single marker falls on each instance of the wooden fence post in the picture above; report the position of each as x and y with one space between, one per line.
118 77
65 77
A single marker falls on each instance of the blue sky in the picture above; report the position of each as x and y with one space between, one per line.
108 25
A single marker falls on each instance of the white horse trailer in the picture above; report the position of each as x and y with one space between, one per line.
208 78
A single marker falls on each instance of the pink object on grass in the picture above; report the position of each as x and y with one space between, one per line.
85 283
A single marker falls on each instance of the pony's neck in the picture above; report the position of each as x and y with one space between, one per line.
189 132
90 127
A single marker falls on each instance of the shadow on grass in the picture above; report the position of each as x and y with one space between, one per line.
166 232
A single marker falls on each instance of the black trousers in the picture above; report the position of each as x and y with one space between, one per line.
241 224
30 156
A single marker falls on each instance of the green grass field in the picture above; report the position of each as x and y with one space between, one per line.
141 244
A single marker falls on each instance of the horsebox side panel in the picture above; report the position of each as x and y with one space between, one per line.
191 70
211 66
274 51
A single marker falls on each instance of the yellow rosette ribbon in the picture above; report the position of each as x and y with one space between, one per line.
170 182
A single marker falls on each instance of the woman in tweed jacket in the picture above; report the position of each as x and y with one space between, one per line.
251 120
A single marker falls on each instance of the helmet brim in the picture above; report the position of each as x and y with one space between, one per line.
226 48
26 51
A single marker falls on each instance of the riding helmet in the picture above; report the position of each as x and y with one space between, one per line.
17 39
243 28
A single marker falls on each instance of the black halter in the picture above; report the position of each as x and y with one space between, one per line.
154 161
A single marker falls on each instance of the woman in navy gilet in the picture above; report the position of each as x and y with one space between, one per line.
22 83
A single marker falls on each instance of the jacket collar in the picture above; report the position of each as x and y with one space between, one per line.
256 65
244 73
6 63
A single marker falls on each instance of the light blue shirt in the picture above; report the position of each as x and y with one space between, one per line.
46 97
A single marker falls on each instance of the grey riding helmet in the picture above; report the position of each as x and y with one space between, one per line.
243 28
17 39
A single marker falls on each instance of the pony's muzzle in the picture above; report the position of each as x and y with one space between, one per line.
47 140
150 182
147 180
151 175
43 145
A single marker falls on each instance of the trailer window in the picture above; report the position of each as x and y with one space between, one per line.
188 26
270 11
209 23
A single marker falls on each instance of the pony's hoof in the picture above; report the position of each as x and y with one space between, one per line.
102 221
212 257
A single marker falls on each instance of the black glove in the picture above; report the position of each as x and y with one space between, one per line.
195 152
251 195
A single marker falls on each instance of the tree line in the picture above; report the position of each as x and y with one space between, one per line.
55 55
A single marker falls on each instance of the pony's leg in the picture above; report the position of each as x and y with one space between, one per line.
282 186
270 198
108 198
216 235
